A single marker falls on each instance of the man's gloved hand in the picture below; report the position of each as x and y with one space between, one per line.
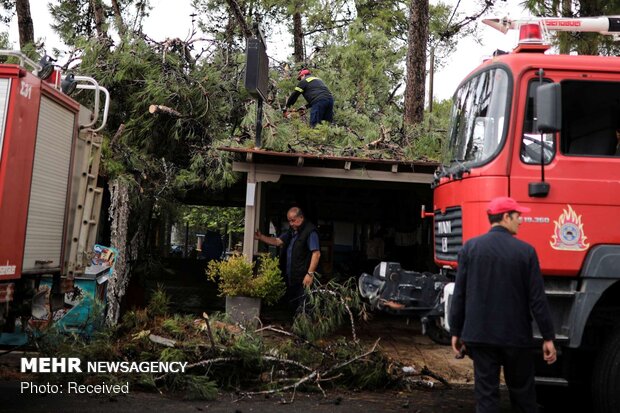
286 113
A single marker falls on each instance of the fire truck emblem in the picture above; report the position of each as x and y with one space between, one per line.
568 233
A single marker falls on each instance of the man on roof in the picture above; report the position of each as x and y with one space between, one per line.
319 98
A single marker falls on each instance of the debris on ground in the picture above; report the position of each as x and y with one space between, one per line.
268 360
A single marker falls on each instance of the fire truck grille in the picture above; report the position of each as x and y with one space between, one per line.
448 234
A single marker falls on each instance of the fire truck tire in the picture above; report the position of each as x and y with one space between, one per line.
437 333
606 376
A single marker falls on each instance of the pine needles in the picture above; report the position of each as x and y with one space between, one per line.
328 308
224 356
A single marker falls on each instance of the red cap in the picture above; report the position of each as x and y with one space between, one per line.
505 204
303 72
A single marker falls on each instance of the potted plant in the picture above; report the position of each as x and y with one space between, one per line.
244 290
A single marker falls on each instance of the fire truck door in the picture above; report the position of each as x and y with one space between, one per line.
580 165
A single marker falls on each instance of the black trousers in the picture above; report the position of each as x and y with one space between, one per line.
295 296
518 366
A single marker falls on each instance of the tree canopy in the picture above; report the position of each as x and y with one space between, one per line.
357 48
195 85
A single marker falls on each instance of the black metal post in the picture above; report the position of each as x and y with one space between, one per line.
259 122
431 81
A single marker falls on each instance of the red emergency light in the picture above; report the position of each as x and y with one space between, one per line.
530 33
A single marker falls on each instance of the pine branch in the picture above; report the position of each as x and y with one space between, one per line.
206 317
295 336
456 27
240 18
153 109
343 23
316 374
344 304
118 134
219 360
427 372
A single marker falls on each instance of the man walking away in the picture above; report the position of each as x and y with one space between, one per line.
498 285
319 98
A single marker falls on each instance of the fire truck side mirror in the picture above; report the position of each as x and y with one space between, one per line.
549 108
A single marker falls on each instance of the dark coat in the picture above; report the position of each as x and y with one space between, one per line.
312 88
498 287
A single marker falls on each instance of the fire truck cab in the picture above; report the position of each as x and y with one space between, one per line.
543 129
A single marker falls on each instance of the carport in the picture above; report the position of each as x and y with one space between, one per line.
366 209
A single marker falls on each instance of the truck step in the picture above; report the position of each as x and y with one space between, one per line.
551 381
560 293
558 337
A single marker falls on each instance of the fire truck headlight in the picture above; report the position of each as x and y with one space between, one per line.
47 67
68 84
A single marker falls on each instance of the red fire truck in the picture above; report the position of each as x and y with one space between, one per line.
49 200
543 129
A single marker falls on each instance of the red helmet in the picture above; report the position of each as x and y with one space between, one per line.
303 72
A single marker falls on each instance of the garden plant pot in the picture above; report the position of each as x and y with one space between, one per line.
243 310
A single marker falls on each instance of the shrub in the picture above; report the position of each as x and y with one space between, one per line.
235 277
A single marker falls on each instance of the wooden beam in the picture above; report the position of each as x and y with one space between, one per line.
267 170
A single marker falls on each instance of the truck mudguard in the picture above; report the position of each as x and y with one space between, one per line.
600 271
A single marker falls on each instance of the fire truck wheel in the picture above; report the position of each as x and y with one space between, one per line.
437 333
606 376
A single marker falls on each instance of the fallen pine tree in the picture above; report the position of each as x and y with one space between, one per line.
223 356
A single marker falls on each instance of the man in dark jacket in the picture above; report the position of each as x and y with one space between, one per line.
301 243
498 285
319 98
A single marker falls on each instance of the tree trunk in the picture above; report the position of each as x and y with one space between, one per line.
236 9
298 38
99 16
120 25
589 42
119 215
564 38
24 23
416 61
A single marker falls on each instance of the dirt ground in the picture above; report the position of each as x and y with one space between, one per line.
402 340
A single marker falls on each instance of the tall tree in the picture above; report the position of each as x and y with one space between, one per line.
118 17
73 20
80 19
24 23
99 17
416 61
298 36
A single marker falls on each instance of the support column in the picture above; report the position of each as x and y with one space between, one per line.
258 209
253 203
252 213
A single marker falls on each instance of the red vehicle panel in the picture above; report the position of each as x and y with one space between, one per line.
16 162
16 167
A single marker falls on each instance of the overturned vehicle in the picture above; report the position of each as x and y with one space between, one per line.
392 289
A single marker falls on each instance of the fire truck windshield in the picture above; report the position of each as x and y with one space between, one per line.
478 119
